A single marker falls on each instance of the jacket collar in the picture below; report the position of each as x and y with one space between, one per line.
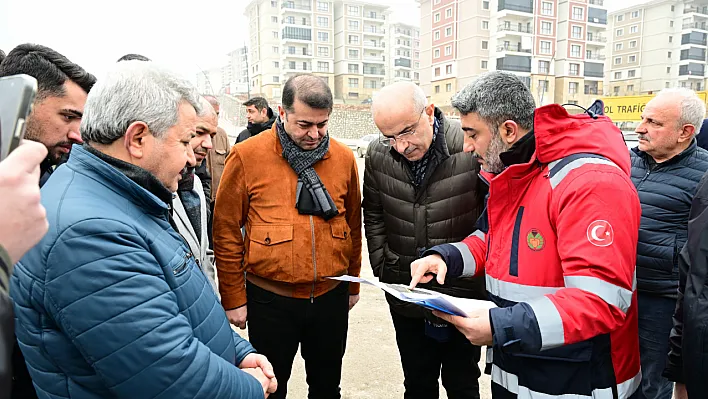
132 182
521 152
690 150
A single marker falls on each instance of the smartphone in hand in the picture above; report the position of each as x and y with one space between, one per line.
17 94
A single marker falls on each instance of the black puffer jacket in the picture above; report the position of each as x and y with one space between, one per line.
688 355
254 128
665 192
401 221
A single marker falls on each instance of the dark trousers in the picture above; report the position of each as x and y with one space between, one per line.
423 358
277 325
655 323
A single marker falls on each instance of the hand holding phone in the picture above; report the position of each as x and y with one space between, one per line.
17 94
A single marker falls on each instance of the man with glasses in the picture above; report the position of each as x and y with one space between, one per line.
421 190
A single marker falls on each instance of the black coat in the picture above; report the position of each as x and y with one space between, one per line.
253 129
665 192
688 356
401 220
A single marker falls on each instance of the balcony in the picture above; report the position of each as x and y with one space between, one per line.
293 22
695 54
514 63
695 25
697 10
594 57
301 53
514 28
377 59
513 47
374 71
591 90
402 62
506 5
293 6
371 44
594 74
373 15
597 39
595 20
692 70
297 68
597 2
372 30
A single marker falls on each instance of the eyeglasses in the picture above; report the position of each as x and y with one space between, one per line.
391 141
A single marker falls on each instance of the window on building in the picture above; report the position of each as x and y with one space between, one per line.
618 75
574 69
448 69
577 13
323 22
436 35
618 46
545 47
630 88
485 45
322 66
448 50
448 13
485 5
631 73
671 23
632 58
635 14
577 32
275 35
353 25
485 25
484 65
668 69
276 64
353 11
290 20
546 28
276 79
573 88
618 60
543 67
633 43
448 31
575 51
437 71
353 95
436 2
354 39
274 19
353 68
322 51
620 18
619 32
274 3
436 53
323 36
672 10
275 50
668 55
667 85
437 89
353 54
436 17
546 8
353 83
448 87
322 6
543 85
633 29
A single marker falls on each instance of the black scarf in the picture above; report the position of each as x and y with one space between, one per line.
314 198
420 166
190 200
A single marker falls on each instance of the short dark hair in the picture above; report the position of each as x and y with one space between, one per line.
259 102
2 56
309 89
133 57
50 68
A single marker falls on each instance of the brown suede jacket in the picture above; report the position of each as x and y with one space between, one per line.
216 158
283 250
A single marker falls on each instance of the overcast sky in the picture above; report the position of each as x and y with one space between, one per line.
187 36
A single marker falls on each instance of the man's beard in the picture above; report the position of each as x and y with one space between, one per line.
492 161
34 133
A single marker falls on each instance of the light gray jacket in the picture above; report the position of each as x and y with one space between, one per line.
201 250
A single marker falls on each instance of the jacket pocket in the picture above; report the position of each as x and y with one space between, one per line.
270 251
514 256
341 250
568 368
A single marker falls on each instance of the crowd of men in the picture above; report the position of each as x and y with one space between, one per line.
151 237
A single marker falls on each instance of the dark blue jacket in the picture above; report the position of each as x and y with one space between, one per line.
111 302
665 191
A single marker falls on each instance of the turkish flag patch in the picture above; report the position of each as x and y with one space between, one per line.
600 233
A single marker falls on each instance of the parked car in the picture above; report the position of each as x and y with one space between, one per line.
363 143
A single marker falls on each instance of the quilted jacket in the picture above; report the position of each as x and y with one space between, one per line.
111 304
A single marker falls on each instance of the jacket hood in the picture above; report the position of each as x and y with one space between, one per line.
559 134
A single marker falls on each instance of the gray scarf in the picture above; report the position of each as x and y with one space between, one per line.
314 199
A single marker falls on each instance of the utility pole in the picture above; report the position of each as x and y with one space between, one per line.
248 73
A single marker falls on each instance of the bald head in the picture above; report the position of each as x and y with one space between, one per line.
399 96
208 110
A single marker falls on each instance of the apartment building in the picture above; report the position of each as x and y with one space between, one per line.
235 74
403 61
454 39
210 81
289 37
360 30
656 45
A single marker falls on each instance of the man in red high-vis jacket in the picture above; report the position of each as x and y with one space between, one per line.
558 245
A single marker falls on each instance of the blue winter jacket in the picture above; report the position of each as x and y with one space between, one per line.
111 304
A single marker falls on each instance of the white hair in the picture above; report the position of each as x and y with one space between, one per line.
207 108
135 91
693 109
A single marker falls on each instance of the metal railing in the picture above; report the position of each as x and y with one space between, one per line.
596 38
513 47
695 25
373 44
301 53
513 68
515 28
595 57
515 7
294 6
374 30
374 72
591 74
287 67
698 10
597 2
285 21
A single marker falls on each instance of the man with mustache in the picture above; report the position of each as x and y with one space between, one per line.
59 105
557 244
296 192
420 190
667 166
191 203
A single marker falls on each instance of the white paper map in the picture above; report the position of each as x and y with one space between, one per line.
426 298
